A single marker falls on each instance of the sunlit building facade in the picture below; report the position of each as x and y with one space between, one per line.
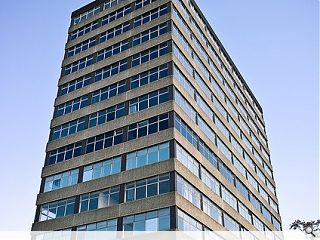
154 128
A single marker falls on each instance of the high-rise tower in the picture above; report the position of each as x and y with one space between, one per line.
154 128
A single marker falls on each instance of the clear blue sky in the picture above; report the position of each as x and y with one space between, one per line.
274 44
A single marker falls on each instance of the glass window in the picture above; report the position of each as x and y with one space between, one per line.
242 189
255 202
208 154
111 70
112 50
72 106
149 76
75 85
81 47
204 106
57 209
158 220
61 180
276 224
260 175
198 31
186 107
218 76
210 181
253 124
203 85
179 55
147 187
201 66
249 161
113 32
187 223
239 166
271 187
252 181
151 15
229 198
68 128
257 156
104 141
255 140
109 92
226 173
86 15
206 129
200 48
274 205
102 169
243 210
148 100
111 3
215 84
65 153
141 3
187 160
268 170
78 65
236 145
266 213
101 199
189 192
257 223
224 149
150 54
116 15
150 34
222 128
83 30
219 107
183 81
234 126
186 131
186 46
147 127
212 210
109 225
180 19
148 156
231 94
230 224
107 115
246 128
